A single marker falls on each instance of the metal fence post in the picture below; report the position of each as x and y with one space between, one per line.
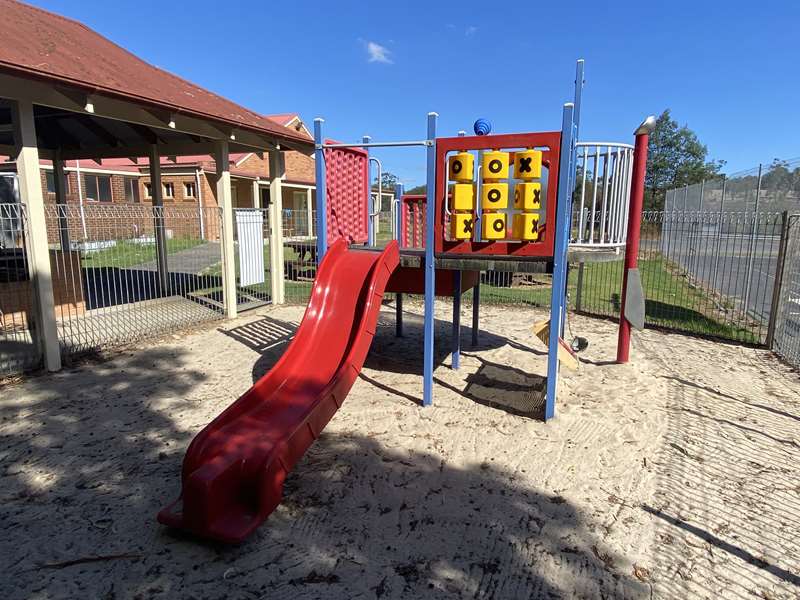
579 288
751 248
719 234
777 289
159 230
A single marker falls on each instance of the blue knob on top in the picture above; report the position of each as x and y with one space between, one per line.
482 127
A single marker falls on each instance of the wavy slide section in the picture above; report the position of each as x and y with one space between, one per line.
234 469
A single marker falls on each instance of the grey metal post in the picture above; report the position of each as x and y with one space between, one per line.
158 220
719 234
751 249
579 288
59 182
777 290
699 233
476 302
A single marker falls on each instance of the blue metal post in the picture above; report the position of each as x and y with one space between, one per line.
561 243
398 228
476 303
579 81
370 223
322 208
430 266
456 355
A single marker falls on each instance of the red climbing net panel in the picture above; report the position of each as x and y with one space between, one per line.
412 222
347 185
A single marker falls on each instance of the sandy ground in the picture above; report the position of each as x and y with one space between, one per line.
672 477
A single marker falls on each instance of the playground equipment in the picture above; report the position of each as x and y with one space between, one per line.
234 469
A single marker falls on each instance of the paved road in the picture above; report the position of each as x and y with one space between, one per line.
193 260
723 265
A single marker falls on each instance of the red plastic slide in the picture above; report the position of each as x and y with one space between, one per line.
234 470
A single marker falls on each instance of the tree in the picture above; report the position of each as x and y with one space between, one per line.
388 181
676 157
420 189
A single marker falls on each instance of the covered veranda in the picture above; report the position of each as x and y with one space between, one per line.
67 93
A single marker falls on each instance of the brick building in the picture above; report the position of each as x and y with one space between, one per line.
187 181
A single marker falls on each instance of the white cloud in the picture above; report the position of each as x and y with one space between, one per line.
378 53
471 30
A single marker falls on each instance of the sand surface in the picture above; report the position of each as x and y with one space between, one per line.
675 476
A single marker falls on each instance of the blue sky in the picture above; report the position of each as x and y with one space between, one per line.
727 69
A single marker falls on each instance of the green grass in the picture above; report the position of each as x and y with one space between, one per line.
128 254
671 299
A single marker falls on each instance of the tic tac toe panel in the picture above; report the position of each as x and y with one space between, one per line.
513 210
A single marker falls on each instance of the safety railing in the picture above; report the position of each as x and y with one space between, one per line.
602 194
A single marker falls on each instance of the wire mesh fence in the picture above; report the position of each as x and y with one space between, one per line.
705 273
786 341
125 273
19 348
299 255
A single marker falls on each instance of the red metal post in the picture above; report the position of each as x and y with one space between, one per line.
634 229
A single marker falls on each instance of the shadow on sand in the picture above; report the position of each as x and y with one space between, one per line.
91 454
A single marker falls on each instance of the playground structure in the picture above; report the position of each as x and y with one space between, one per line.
234 469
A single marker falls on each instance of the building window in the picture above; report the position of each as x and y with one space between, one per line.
189 189
50 179
131 189
148 190
169 190
98 187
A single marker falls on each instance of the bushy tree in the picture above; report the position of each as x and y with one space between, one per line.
676 157
388 181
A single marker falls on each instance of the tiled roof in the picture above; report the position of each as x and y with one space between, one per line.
40 44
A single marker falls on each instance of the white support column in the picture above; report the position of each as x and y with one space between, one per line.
225 201
256 203
59 182
30 191
277 170
310 211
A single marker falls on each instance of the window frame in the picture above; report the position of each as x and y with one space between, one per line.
97 177
131 184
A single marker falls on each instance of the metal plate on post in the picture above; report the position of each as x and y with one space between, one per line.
634 300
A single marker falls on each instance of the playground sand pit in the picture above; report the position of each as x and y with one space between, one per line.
674 476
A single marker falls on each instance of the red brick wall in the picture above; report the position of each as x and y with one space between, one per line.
299 167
